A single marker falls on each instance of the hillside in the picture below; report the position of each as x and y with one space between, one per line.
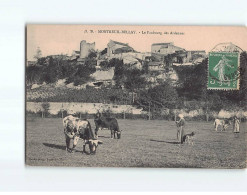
70 81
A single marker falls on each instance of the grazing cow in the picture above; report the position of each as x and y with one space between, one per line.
221 122
107 122
75 129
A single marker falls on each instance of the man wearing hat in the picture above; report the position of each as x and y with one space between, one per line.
180 124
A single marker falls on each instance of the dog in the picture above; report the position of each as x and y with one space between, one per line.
189 138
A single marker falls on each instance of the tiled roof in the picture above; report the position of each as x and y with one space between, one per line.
123 50
119 43
162 43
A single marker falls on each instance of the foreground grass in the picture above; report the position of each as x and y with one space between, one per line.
143 144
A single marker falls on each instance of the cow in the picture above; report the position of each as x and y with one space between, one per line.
75 129
108 123
221 122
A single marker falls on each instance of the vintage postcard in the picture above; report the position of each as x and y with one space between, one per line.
136 96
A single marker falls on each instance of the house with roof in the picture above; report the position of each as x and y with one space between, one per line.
166 52
115 47
195 56
161 50
165 48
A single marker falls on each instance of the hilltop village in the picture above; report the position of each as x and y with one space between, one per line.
158 63
157 58
159 82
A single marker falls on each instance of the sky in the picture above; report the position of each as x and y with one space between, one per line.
63 39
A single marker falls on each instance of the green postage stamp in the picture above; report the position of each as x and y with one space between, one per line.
223 70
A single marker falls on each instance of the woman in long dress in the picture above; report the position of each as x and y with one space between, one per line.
236 128
180 128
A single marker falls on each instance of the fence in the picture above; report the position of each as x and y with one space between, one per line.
87 110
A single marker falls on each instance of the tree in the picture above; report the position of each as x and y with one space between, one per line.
92 54
42 61
168 59
45 108
192 83
155 99
165 94
115 62
134 80
34 74
104 65
38 54
119 71
52 71
81 73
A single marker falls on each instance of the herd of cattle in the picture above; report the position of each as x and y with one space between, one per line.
76 129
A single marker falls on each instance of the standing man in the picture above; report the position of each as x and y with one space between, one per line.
180 128
236 128
69 136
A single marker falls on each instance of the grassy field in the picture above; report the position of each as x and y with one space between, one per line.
143 144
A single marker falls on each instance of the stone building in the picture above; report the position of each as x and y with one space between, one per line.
160 50
169 53
86 48
195 56
114 47
165 48
75 54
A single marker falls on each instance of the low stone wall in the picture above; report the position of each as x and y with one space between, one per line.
93 108
75 107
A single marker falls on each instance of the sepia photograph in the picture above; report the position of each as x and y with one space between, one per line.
136 96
